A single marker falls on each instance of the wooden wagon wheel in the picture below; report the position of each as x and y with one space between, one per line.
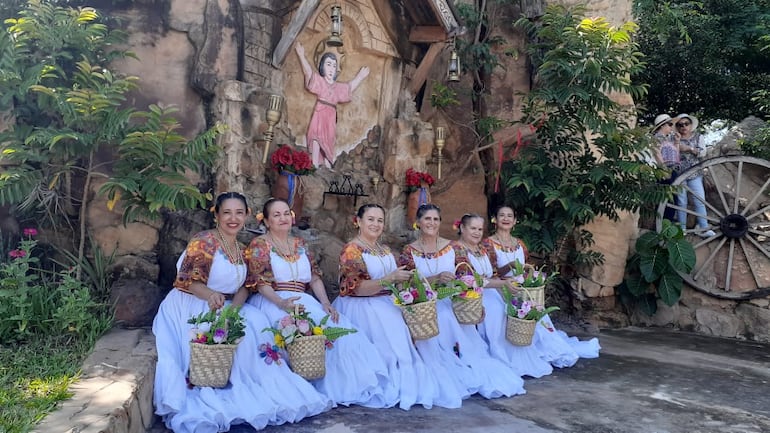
735 262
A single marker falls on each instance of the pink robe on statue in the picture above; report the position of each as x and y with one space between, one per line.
323 122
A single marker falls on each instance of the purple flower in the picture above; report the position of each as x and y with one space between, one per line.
17 253
430 294
286 321
220 335
30 231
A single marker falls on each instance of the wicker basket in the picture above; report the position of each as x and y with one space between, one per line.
468 311
210 364
519 332
307 356
537 295
421 319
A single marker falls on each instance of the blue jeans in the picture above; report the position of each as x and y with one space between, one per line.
696 186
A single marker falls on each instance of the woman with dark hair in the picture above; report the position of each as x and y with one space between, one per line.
210 272
552 345
281 269
434 258
525 360
366 266
322 130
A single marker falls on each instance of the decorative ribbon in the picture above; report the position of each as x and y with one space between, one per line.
423 199
292 189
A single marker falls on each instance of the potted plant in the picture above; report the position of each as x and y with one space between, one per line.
290 164
418 185
215 335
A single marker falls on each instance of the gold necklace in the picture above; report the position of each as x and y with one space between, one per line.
235 259
378 251
289 257
507 244
428 259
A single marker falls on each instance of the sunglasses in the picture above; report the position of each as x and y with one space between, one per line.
683 124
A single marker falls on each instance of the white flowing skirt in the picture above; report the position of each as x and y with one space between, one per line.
558 348
258 394
525 360
490 377
414 379
355 372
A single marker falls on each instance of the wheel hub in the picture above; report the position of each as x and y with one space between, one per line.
734 226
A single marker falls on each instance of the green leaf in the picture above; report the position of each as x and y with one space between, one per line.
670 288
654 265
648 304
636 285
681 255
647 242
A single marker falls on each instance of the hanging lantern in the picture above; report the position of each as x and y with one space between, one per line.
453 70
335 40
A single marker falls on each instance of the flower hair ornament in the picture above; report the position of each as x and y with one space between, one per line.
456 224
493 220
259 217
415 227
293 218
355 221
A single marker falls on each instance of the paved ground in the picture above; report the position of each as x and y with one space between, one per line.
644 381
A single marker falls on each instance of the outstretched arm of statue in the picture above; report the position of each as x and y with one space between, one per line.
360 76
307 70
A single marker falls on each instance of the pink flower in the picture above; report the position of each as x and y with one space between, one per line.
30 231
406 297
430 294
286 321
468 280
303 326
17 253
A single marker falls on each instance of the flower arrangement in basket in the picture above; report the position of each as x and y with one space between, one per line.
287 159
467 301
417 300
305 342
533 279
214 336
523 315
417 179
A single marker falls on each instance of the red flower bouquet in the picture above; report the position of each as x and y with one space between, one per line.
287 159
416 179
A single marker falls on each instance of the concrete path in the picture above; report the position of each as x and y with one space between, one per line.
646 380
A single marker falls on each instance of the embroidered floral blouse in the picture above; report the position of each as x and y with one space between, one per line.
428 264
359 264
475 261
197 261
501 255
261 254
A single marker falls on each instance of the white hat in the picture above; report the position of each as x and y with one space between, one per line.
662 119
693 119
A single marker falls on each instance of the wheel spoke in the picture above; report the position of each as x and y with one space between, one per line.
754 272
756 197
759 247
738 187
719 190
711 256
730 255
757 232
759 212
702 200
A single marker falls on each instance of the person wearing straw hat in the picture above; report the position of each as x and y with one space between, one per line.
666 152
690 147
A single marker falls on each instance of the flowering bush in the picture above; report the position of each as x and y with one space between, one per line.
529 276
418 290
520 308
415 179
297 325
223 326
290 160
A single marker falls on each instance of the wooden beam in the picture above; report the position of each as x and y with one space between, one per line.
392 23
427 34
297 24
421 74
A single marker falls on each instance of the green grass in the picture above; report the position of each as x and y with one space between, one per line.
34 377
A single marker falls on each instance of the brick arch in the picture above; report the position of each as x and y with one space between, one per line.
372 35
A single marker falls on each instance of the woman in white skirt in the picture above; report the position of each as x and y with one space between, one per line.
281 269
365 267
210 271
554 346
525 360
434 258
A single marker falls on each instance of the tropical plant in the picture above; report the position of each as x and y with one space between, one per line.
70 125
653 272
585 159
222 326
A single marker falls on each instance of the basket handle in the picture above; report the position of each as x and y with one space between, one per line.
296 310
466 264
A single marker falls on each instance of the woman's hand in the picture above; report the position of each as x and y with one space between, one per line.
288 304
399 275
216 300
332 312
